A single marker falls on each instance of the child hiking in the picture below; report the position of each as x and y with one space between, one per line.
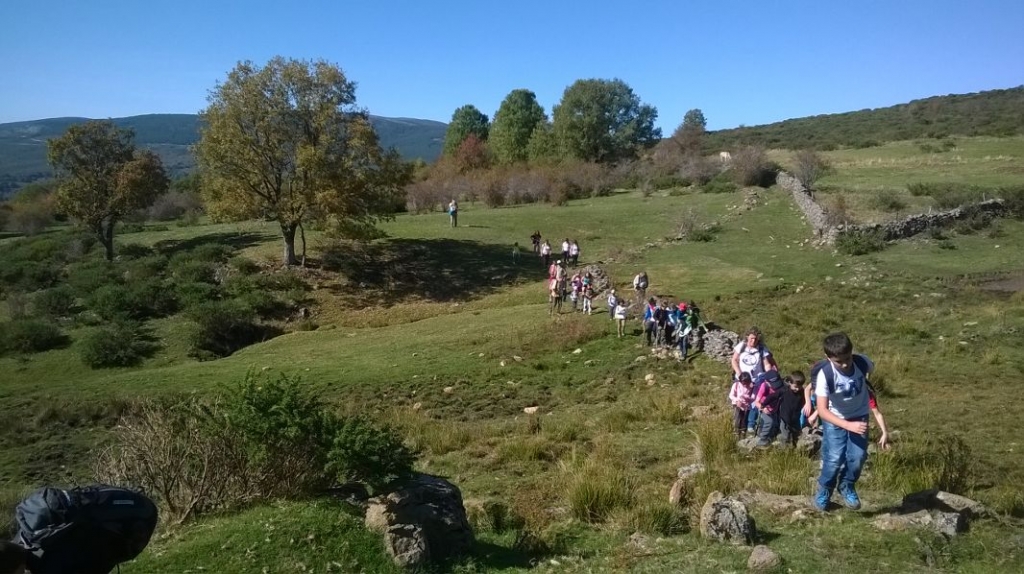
790 408
545 253
842 394
453 213
770 392
741 396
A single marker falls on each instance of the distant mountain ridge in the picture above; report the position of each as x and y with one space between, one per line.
23 144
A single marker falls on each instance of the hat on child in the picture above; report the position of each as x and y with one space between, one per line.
682 306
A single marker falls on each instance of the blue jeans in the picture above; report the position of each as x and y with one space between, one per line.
840 447
752 417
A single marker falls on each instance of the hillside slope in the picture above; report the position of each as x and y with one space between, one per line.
992 113
23 144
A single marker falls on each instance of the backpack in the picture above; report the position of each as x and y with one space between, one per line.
860 361
642 281
773 385
88 530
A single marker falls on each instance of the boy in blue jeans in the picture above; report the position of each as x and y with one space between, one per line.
841 389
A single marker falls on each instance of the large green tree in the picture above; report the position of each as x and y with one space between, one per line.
101 176
286 142
603 121
513 125
465 121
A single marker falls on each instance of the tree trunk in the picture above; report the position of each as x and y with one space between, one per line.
302 235
288 230
106 234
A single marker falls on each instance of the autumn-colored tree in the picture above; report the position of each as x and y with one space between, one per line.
286 142
689 136
101 176
603 121
465 121
472 154
513 125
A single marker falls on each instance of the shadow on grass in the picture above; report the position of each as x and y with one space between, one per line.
235 241
438 270
496 557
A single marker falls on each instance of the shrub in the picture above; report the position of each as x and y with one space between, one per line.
809 167
1013 200
365 452
139 301
244 266
87 277
194 272
117 345
29 275
26 336
750 166
55 302
860 242
173 205
284 280
221 328
888 200
700 170
190 295
948 195
134 251
720 184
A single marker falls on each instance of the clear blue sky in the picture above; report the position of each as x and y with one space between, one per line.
742 61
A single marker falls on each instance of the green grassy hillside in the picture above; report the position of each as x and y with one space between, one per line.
991 113
432 308
23 144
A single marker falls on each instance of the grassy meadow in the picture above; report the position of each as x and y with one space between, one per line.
431 307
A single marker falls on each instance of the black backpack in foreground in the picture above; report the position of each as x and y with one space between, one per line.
87 530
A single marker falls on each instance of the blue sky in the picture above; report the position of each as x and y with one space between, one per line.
741 61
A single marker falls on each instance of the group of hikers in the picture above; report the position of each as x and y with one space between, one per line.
834 402
570 250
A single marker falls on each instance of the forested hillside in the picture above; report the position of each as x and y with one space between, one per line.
23 144
991 113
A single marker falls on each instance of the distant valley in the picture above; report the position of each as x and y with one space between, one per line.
23 144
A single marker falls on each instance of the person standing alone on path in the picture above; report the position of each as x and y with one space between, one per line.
453 213
545 253
565 250
574 252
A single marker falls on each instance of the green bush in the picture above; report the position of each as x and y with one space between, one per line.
948 195
134 251
139 301
116 345
29 275
1013 199
26 336
859 242
888 200
244 266
191 295
221 328
152 267
193 272
56 302
938 461
365 452
281 281
88 276
720 184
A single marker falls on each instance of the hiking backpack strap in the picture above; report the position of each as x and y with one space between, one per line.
859 361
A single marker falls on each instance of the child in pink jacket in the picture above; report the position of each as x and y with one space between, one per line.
741 395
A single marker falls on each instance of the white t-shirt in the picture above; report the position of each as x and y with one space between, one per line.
545 249
620 311
574 249
751 361
850 397
565 247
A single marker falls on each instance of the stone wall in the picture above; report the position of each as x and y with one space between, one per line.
908 226
816 215
921 222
